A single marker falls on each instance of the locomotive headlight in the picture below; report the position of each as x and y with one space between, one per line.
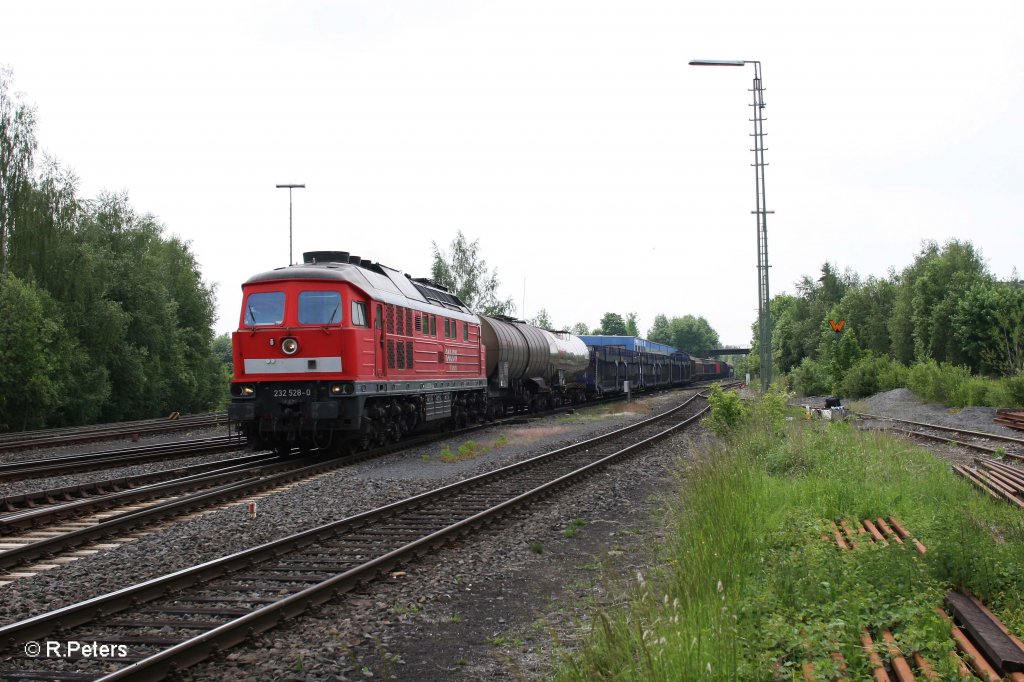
243 390
337 389
290 346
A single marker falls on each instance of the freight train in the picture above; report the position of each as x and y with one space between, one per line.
340 353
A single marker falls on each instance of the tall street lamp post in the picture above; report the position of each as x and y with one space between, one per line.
290 188
763 310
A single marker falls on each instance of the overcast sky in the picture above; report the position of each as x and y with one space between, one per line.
599 171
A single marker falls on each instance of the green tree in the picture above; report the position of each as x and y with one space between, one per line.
37 353
632 328
660 331
867 309
580 329
17 149
694 335
988 325
944 280
542 320
465 273
612 324
221 349
123 317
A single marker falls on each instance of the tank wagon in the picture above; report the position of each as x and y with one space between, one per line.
532 368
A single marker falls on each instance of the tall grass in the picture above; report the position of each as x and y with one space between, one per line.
748 589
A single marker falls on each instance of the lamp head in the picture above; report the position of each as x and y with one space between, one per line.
717 62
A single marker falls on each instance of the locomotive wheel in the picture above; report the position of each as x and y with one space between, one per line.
366 434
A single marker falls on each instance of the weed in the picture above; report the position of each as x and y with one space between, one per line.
501 441
574 527
468 450
300 665
537 547
462 661
455 618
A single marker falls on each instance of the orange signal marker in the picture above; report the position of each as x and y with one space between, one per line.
837 326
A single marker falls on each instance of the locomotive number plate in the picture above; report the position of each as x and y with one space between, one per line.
292 392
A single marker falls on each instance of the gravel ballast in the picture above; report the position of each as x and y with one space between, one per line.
347 491
485 608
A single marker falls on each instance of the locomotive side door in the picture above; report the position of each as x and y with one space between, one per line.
380 352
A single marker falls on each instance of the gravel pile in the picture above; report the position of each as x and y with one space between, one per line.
359 487
903 404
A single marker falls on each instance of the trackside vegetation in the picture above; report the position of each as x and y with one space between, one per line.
103 316
749 589
945 327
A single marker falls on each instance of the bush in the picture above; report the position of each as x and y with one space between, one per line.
872 375
1015 391
937 382
811 378
954 386
727 411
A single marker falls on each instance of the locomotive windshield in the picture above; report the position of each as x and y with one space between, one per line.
264 308
319 307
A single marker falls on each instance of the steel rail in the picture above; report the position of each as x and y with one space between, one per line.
35 499
144 487
978 434
27 440
55 466
477 508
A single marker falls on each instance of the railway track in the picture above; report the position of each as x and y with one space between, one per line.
974 440
177 620
68 464
23 440
144 508
31 509
1000 475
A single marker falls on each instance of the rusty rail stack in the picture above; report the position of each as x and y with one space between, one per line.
1000 480
1012 418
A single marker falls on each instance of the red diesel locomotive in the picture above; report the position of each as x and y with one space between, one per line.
338 351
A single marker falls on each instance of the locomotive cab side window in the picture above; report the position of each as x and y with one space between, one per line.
359 314
319 307
264 308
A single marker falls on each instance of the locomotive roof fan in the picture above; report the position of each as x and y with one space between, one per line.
313 257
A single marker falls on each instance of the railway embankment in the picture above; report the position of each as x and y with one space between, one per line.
810 550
